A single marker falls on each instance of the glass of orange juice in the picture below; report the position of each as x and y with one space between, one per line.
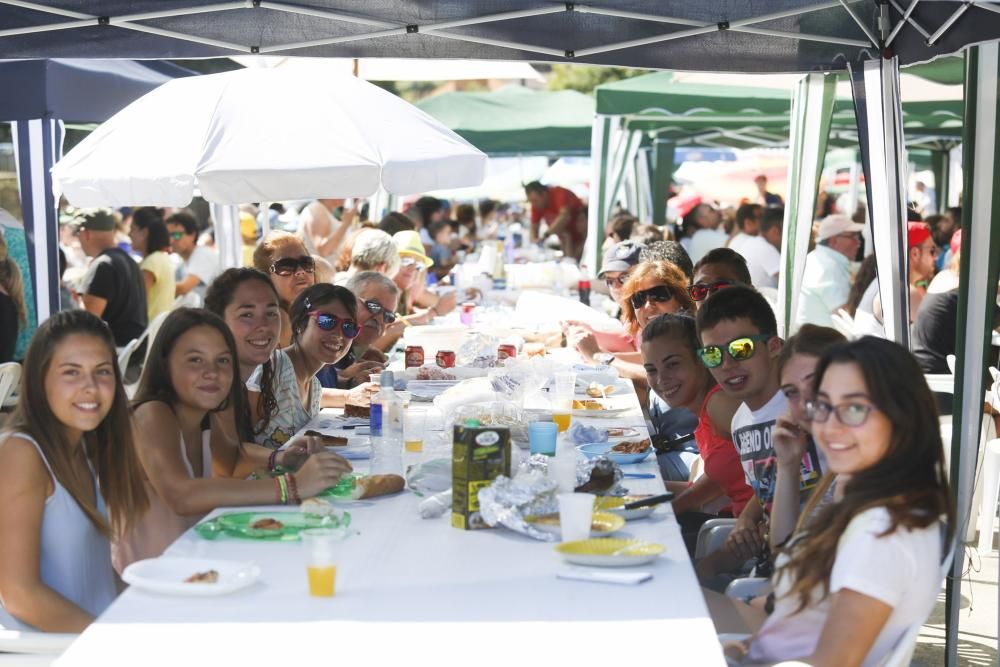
414 425
564 386
322 547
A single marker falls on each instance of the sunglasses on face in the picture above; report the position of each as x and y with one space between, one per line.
740 349
291 265
660 294
374 307
177 236
328 322
616 282
701 291
407 262
848 414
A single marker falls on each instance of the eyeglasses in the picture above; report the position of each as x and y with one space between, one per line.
177 236
374 307
405 262
701 291
848 414
659 294
933 250
328 322
616 282
740 349
290 265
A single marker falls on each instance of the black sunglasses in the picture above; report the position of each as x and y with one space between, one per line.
291 265
374 307
329 322
659 294
701 291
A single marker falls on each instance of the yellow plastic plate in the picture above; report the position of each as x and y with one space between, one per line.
610 552
614 504
601 525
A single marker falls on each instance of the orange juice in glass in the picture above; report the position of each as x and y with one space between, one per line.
322 548
562 420
564 386
322 580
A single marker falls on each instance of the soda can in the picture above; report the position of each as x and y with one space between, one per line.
413 356
506 351
445 359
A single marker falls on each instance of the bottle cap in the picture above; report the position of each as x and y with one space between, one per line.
387 380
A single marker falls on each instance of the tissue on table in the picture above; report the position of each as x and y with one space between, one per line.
429 477
584 435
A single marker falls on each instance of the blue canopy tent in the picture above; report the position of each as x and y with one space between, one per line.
49 92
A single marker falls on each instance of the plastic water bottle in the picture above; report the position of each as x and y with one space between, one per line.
387 444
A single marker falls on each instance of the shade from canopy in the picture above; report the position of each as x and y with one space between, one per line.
516 120
217 134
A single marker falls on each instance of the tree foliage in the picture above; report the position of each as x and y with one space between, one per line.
585 78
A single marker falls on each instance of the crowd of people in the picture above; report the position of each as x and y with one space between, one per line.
826 452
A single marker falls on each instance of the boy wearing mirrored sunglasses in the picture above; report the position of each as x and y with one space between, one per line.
737 330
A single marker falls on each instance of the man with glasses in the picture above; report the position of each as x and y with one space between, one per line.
826 281
378 298
201 264
922 254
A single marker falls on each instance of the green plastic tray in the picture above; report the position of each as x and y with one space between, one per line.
240 525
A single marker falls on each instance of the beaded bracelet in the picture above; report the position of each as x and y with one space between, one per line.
272 461
293 489
277 491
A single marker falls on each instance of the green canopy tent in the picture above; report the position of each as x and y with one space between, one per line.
515 120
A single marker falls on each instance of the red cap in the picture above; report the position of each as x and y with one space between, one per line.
956 242
916 233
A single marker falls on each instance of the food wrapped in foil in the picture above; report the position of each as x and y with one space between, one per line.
599 475
507 501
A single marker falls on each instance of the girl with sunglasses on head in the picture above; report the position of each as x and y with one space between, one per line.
191 447
292 269
866 566
70 479
323 325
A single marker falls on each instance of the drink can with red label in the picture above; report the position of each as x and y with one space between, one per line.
413 356
445 359
506 351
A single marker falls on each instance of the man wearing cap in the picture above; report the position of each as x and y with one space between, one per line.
113 287
826 281
922 255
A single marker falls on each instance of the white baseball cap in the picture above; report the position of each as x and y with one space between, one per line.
835 224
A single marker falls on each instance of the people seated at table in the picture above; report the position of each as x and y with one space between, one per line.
324 323
618 263
867 567
647 234
763 259
191 447
718 269
668 251
794 447
201 264
70 479
292 269
416 304
826 280
13 312
373 250
443 236
395 222
151 239
619 228
740 347
323 226
563 213
378 298
700 231
675 373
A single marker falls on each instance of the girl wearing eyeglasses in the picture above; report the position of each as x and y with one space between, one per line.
292 269
867 567
183 410
323 321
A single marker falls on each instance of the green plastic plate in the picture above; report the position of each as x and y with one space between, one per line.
240 525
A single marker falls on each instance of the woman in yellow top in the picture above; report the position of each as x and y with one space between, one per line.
150 239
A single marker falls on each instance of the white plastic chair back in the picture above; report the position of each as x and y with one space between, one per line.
844 323
125 353
153 329
712 536
189 300
10 378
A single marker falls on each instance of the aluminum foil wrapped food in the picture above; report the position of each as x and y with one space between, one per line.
506 502
599 475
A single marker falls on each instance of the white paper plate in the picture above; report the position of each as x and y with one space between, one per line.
167 574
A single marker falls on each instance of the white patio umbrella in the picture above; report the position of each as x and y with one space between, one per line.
229 137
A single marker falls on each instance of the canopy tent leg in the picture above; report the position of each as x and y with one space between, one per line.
643 185
600 140
37 146
939 165
624 165
977 295
877 107
812 112
229 235
663 172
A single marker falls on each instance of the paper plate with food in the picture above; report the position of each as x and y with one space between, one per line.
277 526
621 432
601 525
598 407
610 552
623 452
198 577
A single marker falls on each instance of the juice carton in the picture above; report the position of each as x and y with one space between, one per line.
480 454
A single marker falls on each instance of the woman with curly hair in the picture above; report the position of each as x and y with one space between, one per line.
868 565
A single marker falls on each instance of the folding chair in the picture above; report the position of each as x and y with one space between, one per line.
10 377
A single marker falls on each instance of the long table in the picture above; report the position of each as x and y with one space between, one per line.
416 591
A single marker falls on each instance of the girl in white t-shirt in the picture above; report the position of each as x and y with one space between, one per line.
866 567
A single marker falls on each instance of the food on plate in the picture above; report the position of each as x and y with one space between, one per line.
620 432
377 485
602 478
317 507
267 523
631 446
587 404
434 373
358 407
207 577
597 390
328 440
598 524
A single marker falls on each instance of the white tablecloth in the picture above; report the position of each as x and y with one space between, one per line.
413 591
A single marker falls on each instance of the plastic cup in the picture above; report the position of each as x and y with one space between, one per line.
576 511
542 438
322 548
404 397
565 384
562 399
414 425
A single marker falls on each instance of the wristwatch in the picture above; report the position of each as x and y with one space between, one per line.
604 358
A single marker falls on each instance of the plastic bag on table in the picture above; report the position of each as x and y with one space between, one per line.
519 378
492 413
476 390
429 477
480 351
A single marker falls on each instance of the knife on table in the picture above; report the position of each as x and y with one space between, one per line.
649 502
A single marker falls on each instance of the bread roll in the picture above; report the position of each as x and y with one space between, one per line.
377 485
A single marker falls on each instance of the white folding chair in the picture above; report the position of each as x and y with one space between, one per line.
844 323
190 300
10 377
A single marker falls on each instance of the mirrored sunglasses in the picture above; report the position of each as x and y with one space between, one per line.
701 291
740 349
290 265
328 322
374 307
177 236
659 294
